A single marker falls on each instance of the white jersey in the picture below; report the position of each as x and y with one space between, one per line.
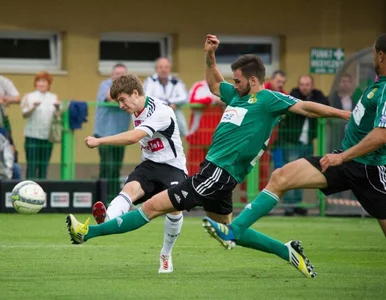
163 143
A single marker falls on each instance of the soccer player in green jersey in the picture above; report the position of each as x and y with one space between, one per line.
239 140
359 166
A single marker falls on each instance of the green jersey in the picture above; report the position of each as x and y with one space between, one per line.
369 113
245 128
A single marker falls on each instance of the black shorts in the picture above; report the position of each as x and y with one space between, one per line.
155 177
367 182
211 188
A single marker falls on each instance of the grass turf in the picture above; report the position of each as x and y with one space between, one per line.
38 262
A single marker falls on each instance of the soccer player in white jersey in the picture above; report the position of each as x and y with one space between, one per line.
163 160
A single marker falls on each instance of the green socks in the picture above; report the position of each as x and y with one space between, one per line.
128 222
260 207
258 241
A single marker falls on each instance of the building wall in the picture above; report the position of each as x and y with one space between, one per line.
301 24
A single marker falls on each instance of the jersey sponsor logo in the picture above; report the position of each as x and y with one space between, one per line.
154 145
371 94
358 112
137 123
234 115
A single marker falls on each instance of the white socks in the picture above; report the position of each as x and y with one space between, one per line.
119 206
173 224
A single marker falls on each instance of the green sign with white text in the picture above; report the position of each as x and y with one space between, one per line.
326 60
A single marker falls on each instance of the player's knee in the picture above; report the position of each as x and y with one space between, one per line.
150 208
134 190
278 181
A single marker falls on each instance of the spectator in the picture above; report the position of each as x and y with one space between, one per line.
8 95
169 89
276 83
207 110
110 120
39 108
343 99
296 136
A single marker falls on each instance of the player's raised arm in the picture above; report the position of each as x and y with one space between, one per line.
212 74
125 138
315 110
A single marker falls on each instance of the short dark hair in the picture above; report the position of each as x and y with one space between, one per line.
380 43
119 65
126 84
279 72
250 65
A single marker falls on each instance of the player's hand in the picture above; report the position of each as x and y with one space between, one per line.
211 43
330 160
5 100
36 103
91 142
346 115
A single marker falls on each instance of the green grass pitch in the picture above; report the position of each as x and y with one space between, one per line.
38 262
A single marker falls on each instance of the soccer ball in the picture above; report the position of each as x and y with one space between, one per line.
28 197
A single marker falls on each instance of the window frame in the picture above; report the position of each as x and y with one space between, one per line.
141 68
34 65
225 69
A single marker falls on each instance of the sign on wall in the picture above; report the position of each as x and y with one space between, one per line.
326 60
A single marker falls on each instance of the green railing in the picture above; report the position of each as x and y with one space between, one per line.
252 183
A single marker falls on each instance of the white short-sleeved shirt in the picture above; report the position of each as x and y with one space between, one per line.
39 122
163 143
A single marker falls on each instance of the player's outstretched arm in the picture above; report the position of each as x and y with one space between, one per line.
375 139
212 74
315 110
125 138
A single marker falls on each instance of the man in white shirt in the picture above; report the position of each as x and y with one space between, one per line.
163 159
171 90
8 95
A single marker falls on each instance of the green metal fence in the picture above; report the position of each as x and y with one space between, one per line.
69 163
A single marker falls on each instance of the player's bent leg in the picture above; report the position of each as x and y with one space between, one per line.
291 252
382 223
157 205
297 174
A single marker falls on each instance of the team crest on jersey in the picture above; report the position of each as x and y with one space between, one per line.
137 123
252 99
371 94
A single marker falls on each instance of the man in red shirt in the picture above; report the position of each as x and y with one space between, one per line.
207 110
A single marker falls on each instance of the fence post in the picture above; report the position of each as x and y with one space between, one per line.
321 150
253 182
67 157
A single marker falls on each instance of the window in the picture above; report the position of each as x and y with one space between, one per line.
137 51
231 47
30 51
